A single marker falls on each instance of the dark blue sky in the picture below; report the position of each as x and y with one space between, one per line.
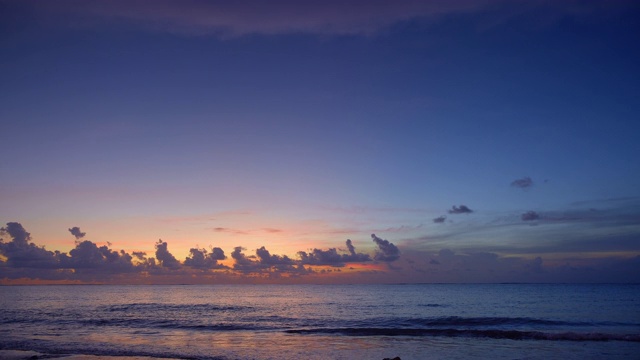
325 121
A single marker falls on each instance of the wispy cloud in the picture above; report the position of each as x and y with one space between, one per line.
522 183
235 18
530 216
583 231
326 17
230 231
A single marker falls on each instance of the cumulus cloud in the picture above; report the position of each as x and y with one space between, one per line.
202 259
387 251
530 216
20 252
267 259
332 257
19 235
243 262
266 263
143 260
522 183
165 258
440 219
139 255
75 231
87 255
87 262
462 209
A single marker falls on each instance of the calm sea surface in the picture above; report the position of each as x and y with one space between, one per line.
506 321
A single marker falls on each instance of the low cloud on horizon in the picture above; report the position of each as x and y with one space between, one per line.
22 258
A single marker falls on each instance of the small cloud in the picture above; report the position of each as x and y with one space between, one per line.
462 209
440 219
530 216
75 231
387 251
272 230
523 183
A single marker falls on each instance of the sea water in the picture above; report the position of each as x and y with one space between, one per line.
427 321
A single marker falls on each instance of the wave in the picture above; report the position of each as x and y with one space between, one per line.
169 325
432 305
170 307
493 334
491 321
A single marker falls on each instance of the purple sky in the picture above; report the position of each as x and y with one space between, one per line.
480 141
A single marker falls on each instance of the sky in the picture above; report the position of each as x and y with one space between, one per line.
319 141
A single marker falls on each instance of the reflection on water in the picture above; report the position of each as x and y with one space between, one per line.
323 322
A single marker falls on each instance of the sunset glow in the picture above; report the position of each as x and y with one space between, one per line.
319 142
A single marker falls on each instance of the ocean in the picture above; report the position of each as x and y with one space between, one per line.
426 321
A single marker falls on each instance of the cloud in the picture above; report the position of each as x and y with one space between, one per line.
87 262
523 183
242 262
202 259
139 255
440 219
87 255
143 260
332 257
272 260
530 216
447 266
19 235
21 253
462 209
350 247
75 231
165 258
235 18
388 252
265 262
230 231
